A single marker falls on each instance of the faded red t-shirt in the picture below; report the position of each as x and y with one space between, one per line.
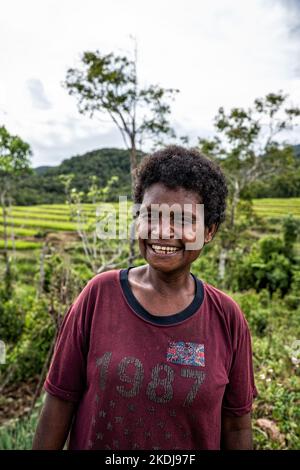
143 381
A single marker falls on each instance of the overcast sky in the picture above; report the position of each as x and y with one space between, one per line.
216 52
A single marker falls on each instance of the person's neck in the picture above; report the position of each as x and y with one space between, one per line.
167 284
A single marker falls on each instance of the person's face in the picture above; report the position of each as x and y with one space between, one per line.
168 224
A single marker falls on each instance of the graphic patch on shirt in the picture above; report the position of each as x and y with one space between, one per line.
191 354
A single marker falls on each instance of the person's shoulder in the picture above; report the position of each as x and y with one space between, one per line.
104 279
225 304
101 286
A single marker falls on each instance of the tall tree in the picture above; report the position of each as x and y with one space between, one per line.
108 83
14 161
247 147
246 142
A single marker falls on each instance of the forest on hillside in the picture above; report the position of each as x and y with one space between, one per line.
42 185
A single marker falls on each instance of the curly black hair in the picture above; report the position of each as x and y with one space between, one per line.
177 166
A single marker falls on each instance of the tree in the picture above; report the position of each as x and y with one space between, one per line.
102 256
96 193
108 83
14 161
247 149
291 229
245 143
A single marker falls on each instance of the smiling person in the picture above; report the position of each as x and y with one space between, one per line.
152 357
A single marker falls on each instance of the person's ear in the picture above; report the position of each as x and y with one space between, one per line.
209 233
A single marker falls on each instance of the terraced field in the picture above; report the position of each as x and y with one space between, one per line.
273 208
31 224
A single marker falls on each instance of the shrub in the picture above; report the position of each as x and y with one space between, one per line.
265 267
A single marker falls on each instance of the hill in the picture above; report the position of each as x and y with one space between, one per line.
44 187
297 151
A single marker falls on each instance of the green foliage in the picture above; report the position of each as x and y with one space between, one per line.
246 146
267 266
11 318
48 188
25 358
30 321
274 326
206 266
268 246
283 185
241 145
14 162
293 297
97 194
14 155
291 228
109 84
255 308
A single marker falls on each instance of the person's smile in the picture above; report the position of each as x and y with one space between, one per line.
162 249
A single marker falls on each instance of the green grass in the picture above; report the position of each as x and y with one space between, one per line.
19 231
48 214
15 215
277 207
19 210
46 224
22 245
19 434
291 201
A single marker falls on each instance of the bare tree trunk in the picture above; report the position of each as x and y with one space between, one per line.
12 231
222 264
235 200
7 274
226 245
133 166
43 375
42 269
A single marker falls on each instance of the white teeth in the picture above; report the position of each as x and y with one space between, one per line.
164 249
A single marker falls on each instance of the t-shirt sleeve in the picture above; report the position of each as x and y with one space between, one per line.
66 377
241 389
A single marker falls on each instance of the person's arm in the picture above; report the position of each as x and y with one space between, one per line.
236 432
54 424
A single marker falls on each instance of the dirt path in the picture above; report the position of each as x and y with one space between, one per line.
16 401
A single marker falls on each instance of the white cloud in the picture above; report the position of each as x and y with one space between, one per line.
37 94
217 53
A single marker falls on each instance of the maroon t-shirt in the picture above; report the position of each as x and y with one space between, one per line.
143 381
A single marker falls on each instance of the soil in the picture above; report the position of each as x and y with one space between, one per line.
16 401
